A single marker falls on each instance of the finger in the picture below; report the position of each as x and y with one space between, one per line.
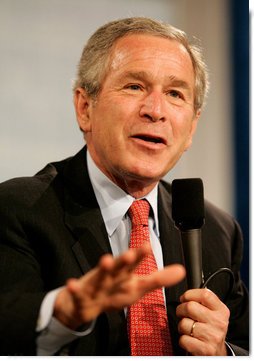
85 309
168 276
194 346
199 330
127 261
207 333
111 271
195 311
186 326
203 296
74 286
197 338
203 340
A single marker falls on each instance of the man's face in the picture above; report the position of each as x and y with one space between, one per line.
143 118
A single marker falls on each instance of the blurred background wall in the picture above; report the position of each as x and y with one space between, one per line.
40 45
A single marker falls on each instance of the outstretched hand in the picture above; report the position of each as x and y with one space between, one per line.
111 285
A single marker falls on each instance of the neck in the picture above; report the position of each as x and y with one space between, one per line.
137 189
131 184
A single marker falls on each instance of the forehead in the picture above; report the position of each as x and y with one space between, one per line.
153 52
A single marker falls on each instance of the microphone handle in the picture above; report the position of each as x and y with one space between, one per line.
192 249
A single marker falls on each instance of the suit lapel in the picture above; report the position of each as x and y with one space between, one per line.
172 253
82 214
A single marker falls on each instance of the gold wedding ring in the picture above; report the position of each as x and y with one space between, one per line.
192 329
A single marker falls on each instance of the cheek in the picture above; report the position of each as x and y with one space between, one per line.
106 131
115 117
182 125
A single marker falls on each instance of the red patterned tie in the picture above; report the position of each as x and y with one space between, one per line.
147 319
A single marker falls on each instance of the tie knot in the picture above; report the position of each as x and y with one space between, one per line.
139 212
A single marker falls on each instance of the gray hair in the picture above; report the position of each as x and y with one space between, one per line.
94 61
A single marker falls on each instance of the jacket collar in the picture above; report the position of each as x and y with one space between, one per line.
82 213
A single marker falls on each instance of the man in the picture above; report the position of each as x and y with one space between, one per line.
68 280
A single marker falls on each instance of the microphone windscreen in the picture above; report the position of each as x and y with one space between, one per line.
188 203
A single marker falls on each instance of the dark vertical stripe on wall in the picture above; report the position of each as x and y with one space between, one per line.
240 49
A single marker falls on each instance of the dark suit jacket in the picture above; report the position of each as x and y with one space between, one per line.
51 229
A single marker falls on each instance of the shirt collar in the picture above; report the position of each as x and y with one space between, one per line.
113 201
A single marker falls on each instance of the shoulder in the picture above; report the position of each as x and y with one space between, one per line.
214 216
25 191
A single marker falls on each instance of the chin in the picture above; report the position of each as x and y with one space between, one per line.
146 173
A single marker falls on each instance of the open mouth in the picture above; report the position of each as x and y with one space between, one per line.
150 139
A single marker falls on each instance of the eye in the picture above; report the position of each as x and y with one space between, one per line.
134 86
175 94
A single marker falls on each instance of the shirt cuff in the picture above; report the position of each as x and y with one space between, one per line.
46 310
53 335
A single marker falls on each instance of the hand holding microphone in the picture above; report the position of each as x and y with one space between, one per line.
203 317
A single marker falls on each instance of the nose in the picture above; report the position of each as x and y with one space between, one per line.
153 107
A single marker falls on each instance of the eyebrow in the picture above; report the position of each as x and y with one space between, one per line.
179 83
173 80
138 75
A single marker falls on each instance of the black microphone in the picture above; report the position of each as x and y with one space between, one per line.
188 215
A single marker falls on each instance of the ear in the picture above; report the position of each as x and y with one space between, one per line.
193 129
82 104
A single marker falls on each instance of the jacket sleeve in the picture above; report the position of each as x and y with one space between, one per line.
21 290
238 303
